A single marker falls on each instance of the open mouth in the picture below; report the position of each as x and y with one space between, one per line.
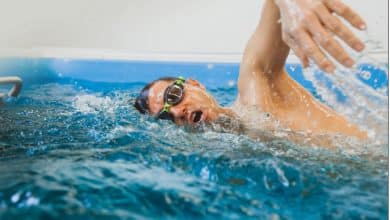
196 116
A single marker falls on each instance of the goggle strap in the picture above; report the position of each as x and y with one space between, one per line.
180 80
166 107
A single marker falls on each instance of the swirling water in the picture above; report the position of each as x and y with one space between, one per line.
75 151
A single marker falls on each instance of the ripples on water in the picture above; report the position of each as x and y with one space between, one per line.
67 150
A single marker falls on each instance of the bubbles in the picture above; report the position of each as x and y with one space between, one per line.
21 199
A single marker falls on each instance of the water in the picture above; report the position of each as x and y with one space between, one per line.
78 150
349 94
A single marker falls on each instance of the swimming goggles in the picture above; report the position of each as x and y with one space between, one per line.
173 95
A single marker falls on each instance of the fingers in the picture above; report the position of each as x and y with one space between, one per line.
329 43
337 27
302 57
297 51
312 35
346 12
310 48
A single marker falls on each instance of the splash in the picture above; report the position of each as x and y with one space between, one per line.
93 104
145 168
348 92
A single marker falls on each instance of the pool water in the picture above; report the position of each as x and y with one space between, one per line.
74 148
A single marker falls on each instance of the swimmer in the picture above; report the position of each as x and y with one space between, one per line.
309 28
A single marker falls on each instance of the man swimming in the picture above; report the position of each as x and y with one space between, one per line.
305 26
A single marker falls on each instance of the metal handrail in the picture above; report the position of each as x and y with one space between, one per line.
15 89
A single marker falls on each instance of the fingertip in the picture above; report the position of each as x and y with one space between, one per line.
359 46
303 59
363 27
306 63
349 62
330 69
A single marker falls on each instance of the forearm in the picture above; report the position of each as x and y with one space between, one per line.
266 51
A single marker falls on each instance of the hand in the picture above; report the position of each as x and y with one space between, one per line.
309 28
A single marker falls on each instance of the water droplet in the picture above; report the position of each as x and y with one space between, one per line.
365 75
15 197
231 83
205 173
32 201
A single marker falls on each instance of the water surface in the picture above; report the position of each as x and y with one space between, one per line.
78 150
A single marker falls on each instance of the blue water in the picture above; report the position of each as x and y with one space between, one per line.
71 147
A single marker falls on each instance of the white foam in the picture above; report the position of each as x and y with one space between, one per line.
93 104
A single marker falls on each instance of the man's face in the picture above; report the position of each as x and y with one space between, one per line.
196 106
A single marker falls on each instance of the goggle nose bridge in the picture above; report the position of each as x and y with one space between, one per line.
176 90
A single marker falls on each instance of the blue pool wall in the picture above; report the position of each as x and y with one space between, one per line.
211 74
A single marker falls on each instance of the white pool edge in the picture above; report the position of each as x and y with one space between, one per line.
106 54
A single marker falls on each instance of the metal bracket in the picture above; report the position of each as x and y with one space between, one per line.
16 81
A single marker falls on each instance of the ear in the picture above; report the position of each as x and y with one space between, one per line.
193 82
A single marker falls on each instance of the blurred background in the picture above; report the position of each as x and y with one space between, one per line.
170 29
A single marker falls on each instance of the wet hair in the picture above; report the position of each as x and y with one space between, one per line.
142 102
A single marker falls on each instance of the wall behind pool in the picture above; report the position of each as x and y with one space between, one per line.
120 28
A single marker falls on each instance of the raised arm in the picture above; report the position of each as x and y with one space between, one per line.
263 59
309 28
263 82
265 50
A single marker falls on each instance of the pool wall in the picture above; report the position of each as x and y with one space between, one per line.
154 26
212 74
